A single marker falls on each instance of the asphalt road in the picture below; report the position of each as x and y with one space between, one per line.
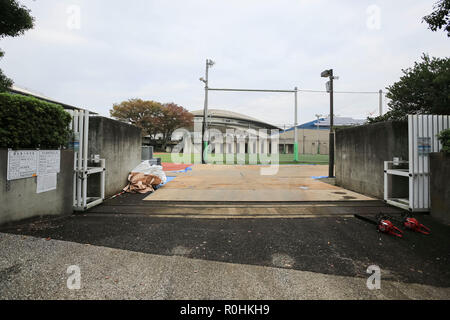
329 246
35 268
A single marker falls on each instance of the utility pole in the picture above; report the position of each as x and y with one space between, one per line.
331 165
329 74
295 128
209 63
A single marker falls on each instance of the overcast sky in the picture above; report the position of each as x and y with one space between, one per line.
93 53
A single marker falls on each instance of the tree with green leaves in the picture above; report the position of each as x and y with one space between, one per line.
444 138
15 19
153 117
141 113
423 89
5 82
440 17
174 117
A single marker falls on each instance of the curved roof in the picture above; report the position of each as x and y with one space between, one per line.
219 113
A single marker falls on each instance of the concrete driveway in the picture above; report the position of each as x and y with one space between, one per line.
238 191
207 182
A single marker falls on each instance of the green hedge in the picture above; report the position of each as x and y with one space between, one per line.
27 122
444 138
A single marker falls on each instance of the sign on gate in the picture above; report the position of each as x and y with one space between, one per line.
423 146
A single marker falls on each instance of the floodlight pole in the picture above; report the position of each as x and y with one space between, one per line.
329 74
205 114
295 128
331 144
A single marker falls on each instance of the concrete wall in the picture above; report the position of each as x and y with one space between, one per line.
20 201
120 144
440 186
361 152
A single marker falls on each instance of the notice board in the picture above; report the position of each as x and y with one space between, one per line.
31 163
49 162
22 164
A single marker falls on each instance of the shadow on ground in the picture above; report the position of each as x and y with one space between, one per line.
338 246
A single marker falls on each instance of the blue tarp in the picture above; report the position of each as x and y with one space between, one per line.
162 184
320 177
169 179
180 171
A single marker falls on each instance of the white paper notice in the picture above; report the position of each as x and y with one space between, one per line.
46 182
49 162
22 164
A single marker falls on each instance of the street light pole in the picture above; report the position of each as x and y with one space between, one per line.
209 63
331 144
329 74
295 128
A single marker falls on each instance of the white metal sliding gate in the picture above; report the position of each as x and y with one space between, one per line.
422 139
80 128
